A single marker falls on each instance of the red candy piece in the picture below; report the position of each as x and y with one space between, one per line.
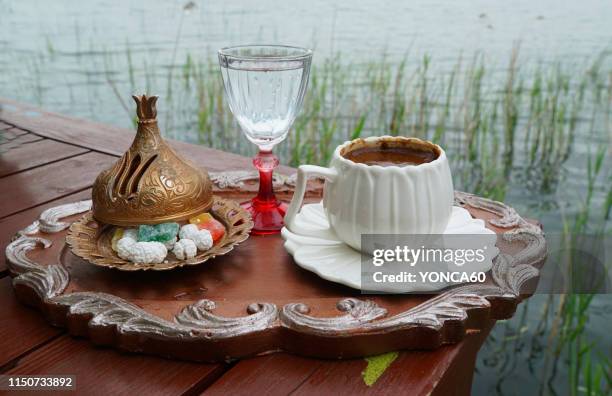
216 229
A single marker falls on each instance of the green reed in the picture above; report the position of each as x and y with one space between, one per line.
557 349
588 374
486 122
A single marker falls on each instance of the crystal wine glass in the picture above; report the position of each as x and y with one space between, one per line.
265 86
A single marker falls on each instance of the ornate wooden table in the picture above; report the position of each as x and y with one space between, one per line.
49 160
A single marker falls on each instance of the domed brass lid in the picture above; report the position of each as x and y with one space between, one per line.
151 183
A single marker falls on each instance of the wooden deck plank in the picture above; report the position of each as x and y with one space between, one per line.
112 140
28 156
21 328
27 189
11 133
103 371
445 371
277 374
421 372
11 224
4 126
19 141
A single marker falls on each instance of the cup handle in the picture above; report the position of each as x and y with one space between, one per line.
303 173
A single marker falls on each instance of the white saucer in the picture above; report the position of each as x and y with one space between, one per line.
333 260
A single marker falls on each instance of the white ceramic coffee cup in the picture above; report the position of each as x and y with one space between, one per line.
371 199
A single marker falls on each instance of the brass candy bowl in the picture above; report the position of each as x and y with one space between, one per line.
91 240
152 184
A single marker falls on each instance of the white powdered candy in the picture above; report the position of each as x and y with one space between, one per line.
141 252
185 249
202 238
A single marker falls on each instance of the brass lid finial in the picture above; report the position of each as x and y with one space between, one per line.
145 107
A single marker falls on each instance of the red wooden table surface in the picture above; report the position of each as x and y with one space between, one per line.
47 159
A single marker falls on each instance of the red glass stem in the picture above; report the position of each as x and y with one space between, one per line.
265 162
266 211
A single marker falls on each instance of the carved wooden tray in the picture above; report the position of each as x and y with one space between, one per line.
256 300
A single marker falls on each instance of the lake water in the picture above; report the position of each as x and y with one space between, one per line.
84 59
61 53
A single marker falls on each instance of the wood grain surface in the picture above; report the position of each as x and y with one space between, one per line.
11 224
101 371
31 155
33 187
21 328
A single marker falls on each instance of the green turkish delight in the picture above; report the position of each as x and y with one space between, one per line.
165 232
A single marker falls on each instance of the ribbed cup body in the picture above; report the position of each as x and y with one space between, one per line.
371 199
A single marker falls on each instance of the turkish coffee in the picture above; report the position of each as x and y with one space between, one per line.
392 153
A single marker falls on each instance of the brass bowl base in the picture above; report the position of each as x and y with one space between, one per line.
91 240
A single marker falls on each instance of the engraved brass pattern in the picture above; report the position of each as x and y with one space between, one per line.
150 183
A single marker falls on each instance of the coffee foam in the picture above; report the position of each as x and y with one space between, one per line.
393 141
